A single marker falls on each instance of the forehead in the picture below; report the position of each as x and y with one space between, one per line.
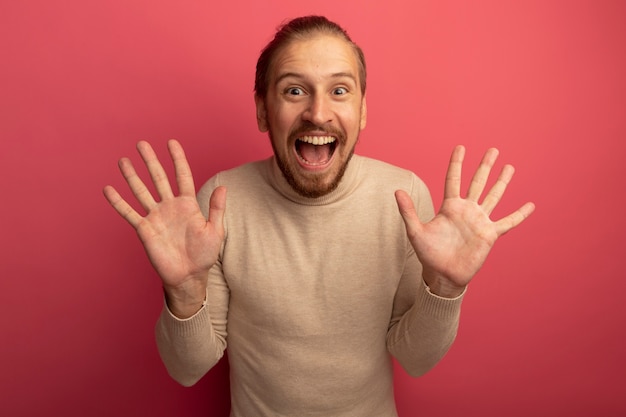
319 55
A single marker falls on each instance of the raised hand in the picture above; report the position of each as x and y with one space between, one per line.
453 246
181 244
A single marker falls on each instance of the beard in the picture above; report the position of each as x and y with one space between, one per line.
309 184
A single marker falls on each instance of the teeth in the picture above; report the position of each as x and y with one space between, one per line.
317 140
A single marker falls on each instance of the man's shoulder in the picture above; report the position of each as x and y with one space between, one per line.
385 172
243 174
244 179
379 164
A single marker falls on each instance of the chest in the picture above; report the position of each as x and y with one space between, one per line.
309 270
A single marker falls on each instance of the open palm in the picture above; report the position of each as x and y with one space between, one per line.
181 244
453 246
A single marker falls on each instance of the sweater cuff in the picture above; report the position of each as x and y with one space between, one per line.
188 326
436 306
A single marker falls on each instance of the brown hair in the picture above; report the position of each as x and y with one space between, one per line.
301 28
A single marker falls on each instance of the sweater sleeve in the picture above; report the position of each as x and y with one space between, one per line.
423 325
190 347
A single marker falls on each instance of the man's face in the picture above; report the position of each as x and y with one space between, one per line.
314 111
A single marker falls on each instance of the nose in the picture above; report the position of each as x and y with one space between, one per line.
319 111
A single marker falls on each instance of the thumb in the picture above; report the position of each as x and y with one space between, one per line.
409 215
217 207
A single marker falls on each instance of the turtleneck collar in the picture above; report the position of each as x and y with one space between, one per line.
347 184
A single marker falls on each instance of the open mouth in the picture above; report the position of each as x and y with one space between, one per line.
315 150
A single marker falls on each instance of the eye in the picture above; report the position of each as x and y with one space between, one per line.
340 91
294 91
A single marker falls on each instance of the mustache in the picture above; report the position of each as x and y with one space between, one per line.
308 127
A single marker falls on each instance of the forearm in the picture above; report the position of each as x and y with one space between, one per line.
188 348
191 347
425 332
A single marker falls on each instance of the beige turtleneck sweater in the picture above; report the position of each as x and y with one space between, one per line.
312 295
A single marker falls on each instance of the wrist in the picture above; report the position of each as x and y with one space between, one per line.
185 302
442 286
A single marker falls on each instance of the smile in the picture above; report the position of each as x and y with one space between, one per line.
315 151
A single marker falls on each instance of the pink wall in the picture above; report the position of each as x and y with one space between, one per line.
81 82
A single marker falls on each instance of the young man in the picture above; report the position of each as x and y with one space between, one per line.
314 271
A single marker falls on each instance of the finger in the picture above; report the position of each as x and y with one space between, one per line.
452 188
139 189
496 192
514 219
217 208
184 178
121 206
409 215
157 173
477 185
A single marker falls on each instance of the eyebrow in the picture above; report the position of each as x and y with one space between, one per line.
300 76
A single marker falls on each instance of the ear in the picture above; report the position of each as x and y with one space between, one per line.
261 113
363 121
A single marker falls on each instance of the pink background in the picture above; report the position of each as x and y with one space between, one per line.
542 329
